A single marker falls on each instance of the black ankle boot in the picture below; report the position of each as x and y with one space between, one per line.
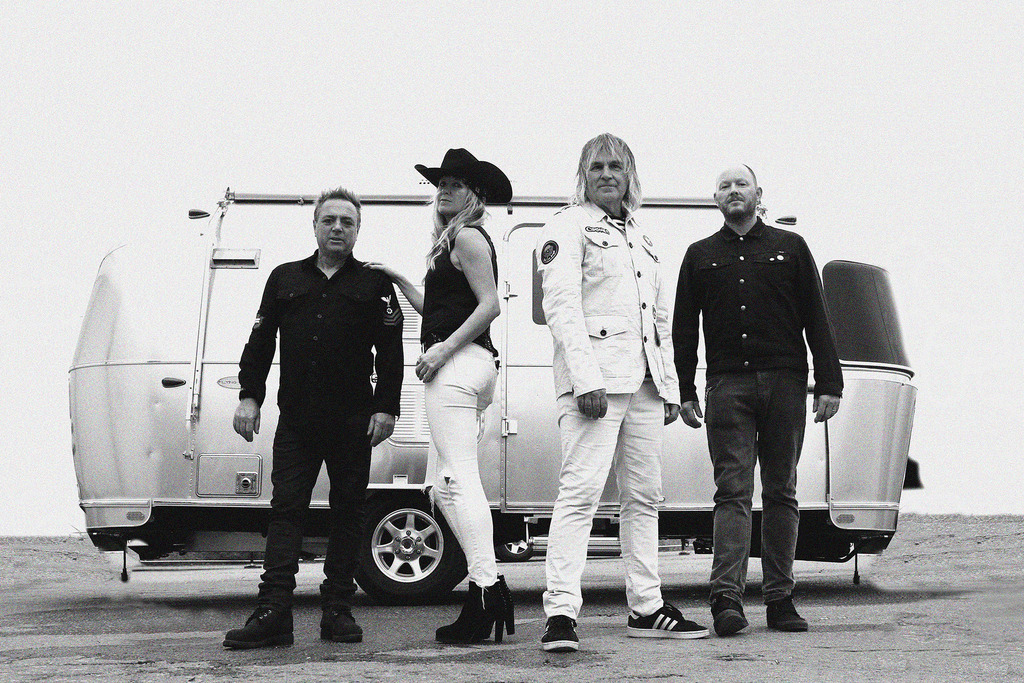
498 605
483 610
468 623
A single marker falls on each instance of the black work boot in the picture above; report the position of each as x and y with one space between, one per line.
338 625
782 616
728 615
266 627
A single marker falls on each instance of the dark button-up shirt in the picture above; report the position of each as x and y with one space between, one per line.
329 327
758 294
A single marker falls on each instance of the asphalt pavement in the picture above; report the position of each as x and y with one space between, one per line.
944 603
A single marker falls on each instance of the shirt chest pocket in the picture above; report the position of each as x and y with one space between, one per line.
360 308
716 269
603 255
292 292
774 266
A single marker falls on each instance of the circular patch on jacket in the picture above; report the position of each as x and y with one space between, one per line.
548 252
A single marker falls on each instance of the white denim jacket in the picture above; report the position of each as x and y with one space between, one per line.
605 304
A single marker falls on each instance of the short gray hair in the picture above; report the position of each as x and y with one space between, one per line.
339 193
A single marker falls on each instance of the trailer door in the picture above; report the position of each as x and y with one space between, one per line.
531 458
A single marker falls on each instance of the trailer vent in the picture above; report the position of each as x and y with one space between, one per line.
411 328
411 428
235 258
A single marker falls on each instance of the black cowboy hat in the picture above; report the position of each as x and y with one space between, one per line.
483 177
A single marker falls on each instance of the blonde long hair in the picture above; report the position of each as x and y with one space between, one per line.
616 147
444 234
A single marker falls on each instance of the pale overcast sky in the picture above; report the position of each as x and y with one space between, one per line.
892 130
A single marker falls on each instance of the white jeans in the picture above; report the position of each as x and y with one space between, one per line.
455 400
628 437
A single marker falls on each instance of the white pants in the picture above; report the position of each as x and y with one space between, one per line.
629 437
455 400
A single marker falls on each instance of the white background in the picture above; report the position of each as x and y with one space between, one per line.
892 130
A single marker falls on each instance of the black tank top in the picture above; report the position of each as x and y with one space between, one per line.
448 300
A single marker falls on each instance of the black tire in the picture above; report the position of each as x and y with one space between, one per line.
409 554
517 551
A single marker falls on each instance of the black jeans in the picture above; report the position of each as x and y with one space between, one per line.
298 454
755 417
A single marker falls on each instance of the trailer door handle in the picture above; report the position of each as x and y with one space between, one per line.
171 382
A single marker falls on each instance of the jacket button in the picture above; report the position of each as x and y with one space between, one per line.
604 332
639 274
643 305
746 363
742 281
604 244
645 339
630 245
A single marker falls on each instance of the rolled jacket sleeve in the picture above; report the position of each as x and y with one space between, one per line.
562 281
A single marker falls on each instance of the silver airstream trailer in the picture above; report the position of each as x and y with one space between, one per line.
154 384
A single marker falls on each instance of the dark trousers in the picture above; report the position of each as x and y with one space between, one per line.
755 417
298 455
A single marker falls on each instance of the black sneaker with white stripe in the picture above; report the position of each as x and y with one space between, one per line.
560 635
667 622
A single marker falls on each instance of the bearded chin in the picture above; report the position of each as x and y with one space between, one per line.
737 214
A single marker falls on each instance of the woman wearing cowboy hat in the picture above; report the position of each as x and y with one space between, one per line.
458 303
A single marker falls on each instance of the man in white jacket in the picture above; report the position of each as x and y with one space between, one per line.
607 309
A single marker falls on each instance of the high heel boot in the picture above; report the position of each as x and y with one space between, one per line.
468 622
483 610
498 605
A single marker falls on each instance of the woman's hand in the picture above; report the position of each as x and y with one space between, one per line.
431 361
412 294
393 274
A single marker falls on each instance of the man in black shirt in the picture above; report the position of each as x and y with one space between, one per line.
331 312
759 292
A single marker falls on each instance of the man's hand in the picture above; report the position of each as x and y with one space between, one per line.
381 427
691 413
824 407
247 418
593 404
671 413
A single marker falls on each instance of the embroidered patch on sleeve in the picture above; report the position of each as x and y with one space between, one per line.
548 252
597 228
392 311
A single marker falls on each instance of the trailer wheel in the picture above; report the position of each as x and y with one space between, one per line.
517 551
409 554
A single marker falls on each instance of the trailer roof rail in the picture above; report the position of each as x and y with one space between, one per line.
405 199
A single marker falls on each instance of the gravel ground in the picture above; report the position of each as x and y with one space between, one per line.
944 603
